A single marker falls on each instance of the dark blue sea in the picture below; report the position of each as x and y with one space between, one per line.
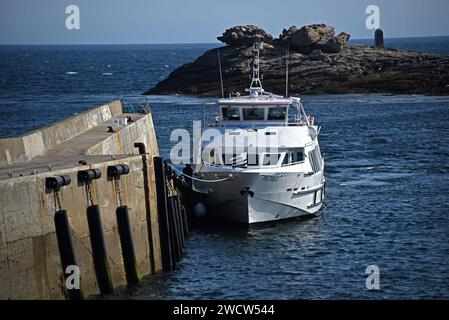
387 170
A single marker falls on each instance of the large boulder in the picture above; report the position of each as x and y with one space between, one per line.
344 37
310 35
244 36
314 37
286 34
336 44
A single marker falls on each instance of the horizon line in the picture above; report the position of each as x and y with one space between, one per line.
175 43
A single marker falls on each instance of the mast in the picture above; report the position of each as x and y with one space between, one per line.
287 53
221 74
256 85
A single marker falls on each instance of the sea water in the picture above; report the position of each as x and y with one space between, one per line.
386 165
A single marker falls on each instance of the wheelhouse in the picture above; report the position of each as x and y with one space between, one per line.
272 111
251 121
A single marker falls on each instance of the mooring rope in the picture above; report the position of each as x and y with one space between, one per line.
197 179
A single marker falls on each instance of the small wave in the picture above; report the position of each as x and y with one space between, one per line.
364 183
71 72
379 141
377 167
107 73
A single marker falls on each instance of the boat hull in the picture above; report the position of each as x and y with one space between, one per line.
254 198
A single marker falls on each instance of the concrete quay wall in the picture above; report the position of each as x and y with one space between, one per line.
38 142
30 266
30 257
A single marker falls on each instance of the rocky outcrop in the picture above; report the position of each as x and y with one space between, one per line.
244 35
336 44
309 36
314 37
319 62
286 34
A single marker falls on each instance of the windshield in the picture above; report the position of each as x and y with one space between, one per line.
253 114
277 113
230 113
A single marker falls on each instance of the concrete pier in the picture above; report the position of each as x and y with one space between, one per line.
30 263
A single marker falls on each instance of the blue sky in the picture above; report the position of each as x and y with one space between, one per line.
193 21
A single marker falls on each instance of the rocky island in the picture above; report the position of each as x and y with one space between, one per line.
319 62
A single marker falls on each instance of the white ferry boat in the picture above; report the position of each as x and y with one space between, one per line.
265 164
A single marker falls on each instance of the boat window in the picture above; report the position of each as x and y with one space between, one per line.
231 113
243 159
292 114
253 159
315 160
277 113
297 156
285 160
318 156
235 159
253 113
271 159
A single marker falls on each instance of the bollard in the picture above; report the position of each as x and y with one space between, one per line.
99 255
141 146
66 251
126 241
164 226
378 38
